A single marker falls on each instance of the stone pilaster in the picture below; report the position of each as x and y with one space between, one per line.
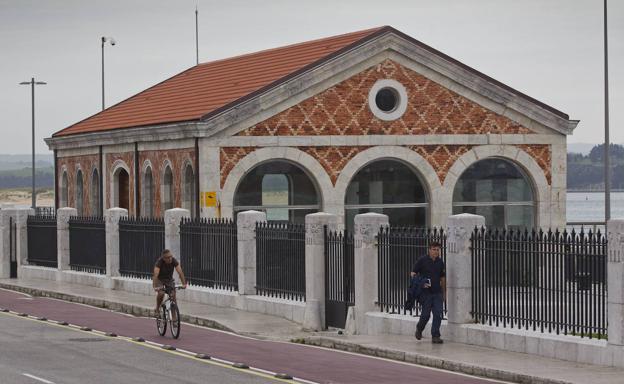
615 281
62 233
112 217
173 217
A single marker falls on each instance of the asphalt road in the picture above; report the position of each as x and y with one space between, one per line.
38 352
300 361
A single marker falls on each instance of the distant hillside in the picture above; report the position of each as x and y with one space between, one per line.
21 178
587 171
15 162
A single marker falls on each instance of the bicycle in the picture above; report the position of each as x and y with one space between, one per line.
169 310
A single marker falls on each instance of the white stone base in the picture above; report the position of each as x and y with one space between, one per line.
381 323
36 272
84 278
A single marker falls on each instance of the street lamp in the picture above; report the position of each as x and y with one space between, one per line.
32 84
112 42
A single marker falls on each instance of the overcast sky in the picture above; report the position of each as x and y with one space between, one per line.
551 50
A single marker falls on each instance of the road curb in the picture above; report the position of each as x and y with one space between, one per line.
426 360
112 305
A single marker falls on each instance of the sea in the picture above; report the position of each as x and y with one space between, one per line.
590 206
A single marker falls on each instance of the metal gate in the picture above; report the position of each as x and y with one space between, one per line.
13 247
339 277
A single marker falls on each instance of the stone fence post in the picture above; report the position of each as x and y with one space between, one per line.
366 228
112 217
62 236
459 266
173 217
19 217
615 282
314 315
246 234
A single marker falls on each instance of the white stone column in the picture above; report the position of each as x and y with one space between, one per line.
615 281
246 227
112 217
21 218
173 217
62 236
365 231
314 315
459 266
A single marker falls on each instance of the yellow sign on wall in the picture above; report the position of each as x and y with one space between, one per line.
209 199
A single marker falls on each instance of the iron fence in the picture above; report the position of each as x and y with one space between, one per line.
42 235
209 252
45 211
548 281
398 250
141 241
280 260
339 277
87 244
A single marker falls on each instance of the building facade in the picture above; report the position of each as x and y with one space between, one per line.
372 121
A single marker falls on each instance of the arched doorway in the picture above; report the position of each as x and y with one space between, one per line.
121 189
389 187
499 190
281 189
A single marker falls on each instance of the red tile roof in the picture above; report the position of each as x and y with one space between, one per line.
210 87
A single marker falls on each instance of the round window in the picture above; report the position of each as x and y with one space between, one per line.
387 99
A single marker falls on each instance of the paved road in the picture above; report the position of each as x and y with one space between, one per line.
305 362
38 352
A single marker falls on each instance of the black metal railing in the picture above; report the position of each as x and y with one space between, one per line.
141 241
339 267
209 252
45 211
398 249
280 260
87 244
42 235
548 281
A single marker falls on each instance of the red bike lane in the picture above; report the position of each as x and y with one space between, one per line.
305 362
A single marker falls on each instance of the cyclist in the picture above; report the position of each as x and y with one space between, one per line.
163 276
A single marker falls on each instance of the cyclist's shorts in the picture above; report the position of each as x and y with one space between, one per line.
169 283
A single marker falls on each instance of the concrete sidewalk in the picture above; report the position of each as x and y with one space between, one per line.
486 362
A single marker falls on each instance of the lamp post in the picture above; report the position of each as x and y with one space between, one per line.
606 147
32 84
112 42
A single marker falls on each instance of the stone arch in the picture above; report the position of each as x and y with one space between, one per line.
416 162
147 189
188 188
309 164
94 192
79 191
533 171
63 182
167 189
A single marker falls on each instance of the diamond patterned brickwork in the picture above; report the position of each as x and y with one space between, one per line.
441 157
229 157
541 153
333 159
343 110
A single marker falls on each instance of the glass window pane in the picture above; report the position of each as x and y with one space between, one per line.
398 217
519 217
492 180
385 182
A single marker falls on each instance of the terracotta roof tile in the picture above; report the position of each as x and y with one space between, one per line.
208 87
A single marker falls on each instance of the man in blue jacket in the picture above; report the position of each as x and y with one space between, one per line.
433 295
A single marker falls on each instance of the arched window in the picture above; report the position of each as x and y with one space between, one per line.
121 188
166 191
79 193
63 191
281 189
497 189
95 193
389 187
189 199
148 193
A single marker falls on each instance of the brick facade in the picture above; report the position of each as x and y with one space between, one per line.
343 110
128 159
86 163
542 154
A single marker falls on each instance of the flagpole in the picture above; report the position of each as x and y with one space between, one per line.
196 36
607 159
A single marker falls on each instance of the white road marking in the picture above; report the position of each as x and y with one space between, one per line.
37 378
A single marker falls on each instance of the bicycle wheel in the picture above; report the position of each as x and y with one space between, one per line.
161 320
175 321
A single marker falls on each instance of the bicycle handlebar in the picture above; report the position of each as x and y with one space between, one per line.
163 288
